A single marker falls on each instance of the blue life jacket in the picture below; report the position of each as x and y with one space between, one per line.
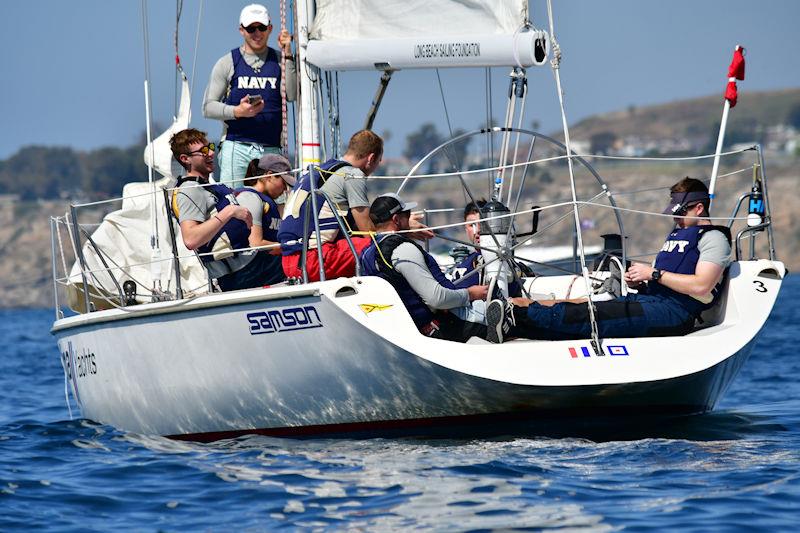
680 255
374 265
237 232
264 128
468 264
294 215
270 218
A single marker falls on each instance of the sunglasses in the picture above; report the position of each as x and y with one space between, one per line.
205 150
259 27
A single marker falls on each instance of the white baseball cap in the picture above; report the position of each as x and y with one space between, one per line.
254 13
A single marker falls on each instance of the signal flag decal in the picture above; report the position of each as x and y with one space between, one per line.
617 350
584 351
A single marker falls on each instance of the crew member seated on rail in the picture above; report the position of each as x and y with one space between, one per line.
344 181
474 261
212 221
266 179
436 306
685 280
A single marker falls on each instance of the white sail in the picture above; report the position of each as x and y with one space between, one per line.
123 237
390 19
394 34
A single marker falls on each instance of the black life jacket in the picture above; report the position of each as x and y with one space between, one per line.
375 265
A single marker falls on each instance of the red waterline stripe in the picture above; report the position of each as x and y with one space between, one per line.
310 144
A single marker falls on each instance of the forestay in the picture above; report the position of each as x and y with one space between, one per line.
422 34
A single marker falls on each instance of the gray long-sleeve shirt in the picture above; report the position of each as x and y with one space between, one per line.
220 80
410 263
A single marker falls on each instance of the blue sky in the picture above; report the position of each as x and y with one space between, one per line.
73 71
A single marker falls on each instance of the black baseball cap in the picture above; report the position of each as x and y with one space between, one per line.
386 205
680 201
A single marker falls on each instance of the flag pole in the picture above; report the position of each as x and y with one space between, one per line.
735 71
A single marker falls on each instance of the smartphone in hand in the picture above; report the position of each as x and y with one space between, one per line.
254 99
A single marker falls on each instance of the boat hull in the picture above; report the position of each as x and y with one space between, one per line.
344 356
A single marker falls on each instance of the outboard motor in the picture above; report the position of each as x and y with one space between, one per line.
497 269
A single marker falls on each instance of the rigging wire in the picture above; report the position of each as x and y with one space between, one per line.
449 152
196 44
154 245
490 137
555 63
178 11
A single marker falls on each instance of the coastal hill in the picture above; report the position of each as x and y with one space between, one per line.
30 193
699 118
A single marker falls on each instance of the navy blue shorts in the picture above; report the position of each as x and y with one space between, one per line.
263 269
634 315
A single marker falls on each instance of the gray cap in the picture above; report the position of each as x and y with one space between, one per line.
277 164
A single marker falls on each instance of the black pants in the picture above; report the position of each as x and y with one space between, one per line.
452 328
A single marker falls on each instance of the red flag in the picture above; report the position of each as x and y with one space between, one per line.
730 93
736 70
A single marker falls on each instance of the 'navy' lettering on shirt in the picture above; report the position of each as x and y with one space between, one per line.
256 82
671 245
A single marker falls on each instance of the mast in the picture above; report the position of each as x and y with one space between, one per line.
308 133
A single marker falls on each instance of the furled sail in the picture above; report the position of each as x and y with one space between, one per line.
123 237
397 34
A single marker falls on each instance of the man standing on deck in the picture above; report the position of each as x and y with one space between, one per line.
244 91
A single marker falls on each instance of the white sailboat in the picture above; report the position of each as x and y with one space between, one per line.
343 355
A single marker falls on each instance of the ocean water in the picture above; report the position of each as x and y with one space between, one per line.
737 468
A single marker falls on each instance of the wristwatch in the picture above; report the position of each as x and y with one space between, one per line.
656 275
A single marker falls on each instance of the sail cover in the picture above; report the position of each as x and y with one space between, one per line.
399 34
123 237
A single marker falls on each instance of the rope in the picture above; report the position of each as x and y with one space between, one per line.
284 113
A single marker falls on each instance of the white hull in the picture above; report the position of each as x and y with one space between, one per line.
203 369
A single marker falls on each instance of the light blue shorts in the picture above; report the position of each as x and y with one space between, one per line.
233 158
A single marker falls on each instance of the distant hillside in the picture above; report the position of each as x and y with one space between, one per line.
698 118
25 264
